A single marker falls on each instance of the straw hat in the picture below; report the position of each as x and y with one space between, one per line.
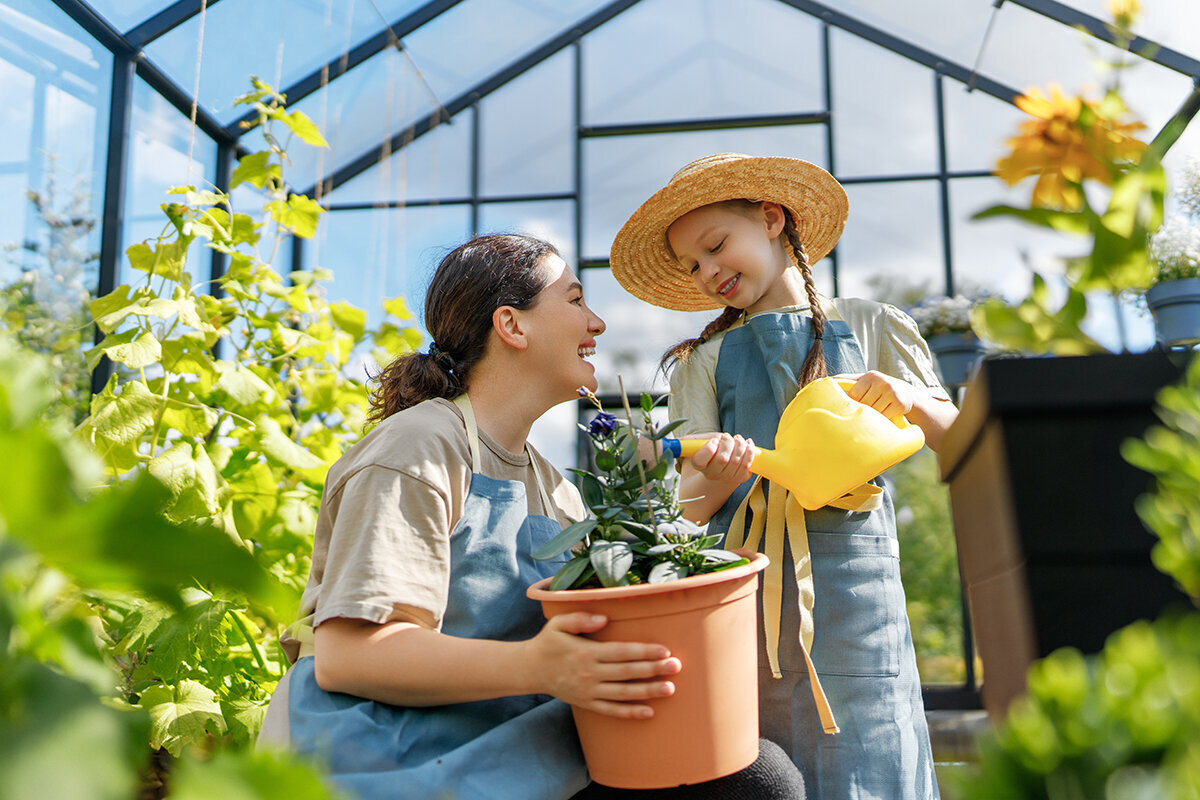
641 261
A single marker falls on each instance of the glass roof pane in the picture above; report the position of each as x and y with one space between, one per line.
620 172
883 111
977 125
892 235
551 220
1171 23
436 166
952 30
126 14
528 132
280 41
706 59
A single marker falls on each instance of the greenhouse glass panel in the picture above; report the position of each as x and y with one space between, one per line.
1170 23
280 41
164 151
883 111
951 30
555 433
436 166
527 134
706 58
553 221
977 126
621 172
892 241
379 253
127 14
55 83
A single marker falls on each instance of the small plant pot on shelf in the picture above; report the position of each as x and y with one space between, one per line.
957 354
1176 309
709 727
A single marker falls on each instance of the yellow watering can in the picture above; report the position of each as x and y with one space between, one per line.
827 444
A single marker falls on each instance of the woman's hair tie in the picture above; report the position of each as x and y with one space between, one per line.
441 357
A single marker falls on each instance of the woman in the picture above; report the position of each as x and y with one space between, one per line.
423 670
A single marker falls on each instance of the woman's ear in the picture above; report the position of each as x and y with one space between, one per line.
506 322
773 217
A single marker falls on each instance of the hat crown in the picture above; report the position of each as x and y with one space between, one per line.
701 164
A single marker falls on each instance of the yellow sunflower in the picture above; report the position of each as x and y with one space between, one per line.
1068 140
1125 13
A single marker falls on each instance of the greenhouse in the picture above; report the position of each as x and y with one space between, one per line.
221 221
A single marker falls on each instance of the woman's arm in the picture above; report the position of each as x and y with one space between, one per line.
401 663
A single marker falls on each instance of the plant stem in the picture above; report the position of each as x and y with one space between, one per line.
637 459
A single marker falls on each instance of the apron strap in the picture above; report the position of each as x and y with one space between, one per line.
464 404
784 518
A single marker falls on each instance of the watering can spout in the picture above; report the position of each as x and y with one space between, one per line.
827 444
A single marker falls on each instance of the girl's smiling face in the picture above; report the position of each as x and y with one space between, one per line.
735 255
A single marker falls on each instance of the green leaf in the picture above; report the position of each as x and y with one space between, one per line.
647 403
667 571
275 445
348 318
298 215
257 774
124 417
243 387
183 714
302 126
131 349
1066 221
256 170
589 487
563 542
398 308
612 561
566 576
720 555
668 428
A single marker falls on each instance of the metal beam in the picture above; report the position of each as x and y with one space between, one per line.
115 173
121 48
471 96
1151 51
903 47
709 124
166 20
356 55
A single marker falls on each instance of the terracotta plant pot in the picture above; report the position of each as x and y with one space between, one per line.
709 727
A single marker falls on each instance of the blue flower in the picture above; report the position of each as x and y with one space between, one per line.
602 425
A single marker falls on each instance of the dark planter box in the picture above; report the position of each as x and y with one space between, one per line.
1050 548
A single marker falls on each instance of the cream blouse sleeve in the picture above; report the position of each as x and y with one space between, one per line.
891 343
694 392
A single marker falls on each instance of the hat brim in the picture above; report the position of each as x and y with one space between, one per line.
641 261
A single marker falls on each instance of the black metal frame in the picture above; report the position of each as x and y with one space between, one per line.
129 60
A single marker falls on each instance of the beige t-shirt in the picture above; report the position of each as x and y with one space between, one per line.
382 546
888 337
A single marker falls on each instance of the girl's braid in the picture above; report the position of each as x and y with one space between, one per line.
814 362
683 351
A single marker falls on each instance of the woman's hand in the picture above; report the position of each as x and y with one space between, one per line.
605 677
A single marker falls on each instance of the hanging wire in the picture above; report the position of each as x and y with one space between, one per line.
196 91
441 113
987 34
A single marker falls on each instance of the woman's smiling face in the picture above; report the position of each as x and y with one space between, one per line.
563 329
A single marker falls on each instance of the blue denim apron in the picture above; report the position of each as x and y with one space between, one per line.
862 646
523 748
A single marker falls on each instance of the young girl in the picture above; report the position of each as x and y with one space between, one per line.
423 670
741 232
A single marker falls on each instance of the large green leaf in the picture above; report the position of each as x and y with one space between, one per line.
276 445
612 561
250 775
133 348
565 540
124 417
182 714
256 170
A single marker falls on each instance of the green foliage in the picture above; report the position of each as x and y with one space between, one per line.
637 533
929 568
1171 453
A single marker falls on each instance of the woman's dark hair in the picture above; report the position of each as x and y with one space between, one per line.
814 362
470 283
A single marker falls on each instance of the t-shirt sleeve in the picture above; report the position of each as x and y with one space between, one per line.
903 353
389 551
694 393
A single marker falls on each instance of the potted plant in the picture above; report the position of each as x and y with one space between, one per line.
658 578
945 324
1050 548
1174 299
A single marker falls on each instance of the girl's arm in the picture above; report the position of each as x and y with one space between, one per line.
891 396
404 664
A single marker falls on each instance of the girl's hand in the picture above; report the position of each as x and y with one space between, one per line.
724 458
605 677
889 396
